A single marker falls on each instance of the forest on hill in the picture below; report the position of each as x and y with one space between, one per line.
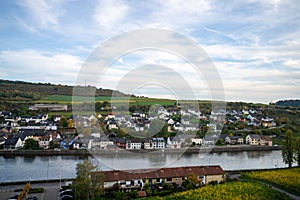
288 103
26 91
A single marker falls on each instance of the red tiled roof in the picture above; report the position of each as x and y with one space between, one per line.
117 175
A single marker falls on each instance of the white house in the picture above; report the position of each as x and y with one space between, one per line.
197 141
253 139
133 144
158 143
174 142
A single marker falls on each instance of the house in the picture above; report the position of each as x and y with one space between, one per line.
136 179
158 143
112 124
45 140
268 122
209 140
197 141
82 143
13 143
178 126
148 144
51 107
170 121
133 144
174 142
253 139
2 140
120 142
234 140
101 143
36 134
266 141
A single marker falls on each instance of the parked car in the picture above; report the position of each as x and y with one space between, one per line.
66 192
14 197
32 198
67 197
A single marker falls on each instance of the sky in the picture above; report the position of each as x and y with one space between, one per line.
253 44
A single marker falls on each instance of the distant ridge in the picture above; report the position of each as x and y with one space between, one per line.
21 90
288 103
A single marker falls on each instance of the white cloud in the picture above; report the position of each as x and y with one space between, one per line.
110 14
31 65
42 14
255 44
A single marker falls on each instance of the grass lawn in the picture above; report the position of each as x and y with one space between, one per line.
287 179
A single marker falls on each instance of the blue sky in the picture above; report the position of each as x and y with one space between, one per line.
255 45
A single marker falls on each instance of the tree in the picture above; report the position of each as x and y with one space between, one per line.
288 148
53 145
87 185
63 122
31 144
297 150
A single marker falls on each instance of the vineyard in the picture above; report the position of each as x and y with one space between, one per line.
287 179
230 190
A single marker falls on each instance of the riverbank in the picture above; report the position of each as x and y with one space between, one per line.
216 149
69 180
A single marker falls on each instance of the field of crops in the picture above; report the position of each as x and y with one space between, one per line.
230 190
288 179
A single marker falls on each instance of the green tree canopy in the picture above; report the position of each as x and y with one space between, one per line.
31 144
87 185
63 122
288 148
297 151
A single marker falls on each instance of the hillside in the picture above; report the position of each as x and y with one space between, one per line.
288 103
26 91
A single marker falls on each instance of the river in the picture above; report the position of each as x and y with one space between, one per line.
21 168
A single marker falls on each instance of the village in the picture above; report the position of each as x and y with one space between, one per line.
112 131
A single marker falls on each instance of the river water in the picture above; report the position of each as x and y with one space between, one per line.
21 168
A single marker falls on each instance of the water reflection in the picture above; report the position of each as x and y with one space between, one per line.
28 159
43 168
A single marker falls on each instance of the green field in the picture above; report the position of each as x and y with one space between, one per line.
231 190
133 100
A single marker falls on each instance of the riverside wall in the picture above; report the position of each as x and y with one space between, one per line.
215 149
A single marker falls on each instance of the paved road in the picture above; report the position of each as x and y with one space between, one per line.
51 193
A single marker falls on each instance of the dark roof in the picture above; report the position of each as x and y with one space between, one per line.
235 137
254 136
223 136
11 141
119 140
22 133
116 175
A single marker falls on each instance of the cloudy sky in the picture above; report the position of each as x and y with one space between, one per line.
254 45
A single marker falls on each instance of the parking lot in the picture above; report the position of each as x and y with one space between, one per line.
51 191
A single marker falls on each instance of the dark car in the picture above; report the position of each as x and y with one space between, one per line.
32 198
66 192
67 197
14 197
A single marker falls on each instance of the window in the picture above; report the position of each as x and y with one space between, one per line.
158 180
169 179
